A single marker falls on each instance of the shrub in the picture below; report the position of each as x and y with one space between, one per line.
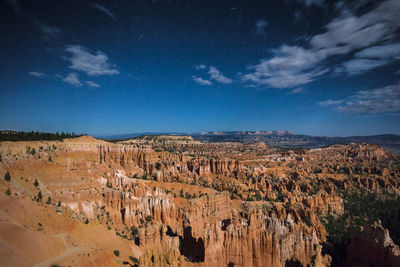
36 183
8 192
7 176
133 259
116 253
48 200
158 166
39 196
134 231
307 220
149 218
86 221
258 196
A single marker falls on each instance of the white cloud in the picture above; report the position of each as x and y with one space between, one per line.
381 100
214 75
296 91
372 57
200 67
201 81
92 64
349 32
260 25
330 103
382 51
72 79
104 10
291 66
36 74
217 76
357 66
92 84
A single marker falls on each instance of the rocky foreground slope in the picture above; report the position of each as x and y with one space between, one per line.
161 201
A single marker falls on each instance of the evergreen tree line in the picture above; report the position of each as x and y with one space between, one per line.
361 209
34 136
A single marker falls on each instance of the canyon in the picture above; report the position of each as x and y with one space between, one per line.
175 201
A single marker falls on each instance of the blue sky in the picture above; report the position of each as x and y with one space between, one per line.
112 67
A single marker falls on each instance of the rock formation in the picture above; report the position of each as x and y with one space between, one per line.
178 202
372 246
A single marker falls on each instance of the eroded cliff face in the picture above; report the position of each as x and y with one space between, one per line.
183 203
372 246
210 230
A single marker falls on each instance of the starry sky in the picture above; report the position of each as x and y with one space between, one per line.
315 67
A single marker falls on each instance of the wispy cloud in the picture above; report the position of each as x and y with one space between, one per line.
291 66
380 100
200 67
72 78
260 26
297 16
92 84
357 66
312 2
388 51
104 10
93 64
201 81
329 102
36 74
49 32
372 57
296 91
216 75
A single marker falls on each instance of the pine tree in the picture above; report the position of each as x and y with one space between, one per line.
7 176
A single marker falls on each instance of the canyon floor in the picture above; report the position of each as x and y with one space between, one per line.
174 201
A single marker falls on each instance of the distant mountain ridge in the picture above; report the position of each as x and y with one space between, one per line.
279 138
286 138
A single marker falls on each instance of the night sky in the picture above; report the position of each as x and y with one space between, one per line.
314 67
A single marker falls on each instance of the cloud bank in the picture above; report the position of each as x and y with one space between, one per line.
372 39
380 100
